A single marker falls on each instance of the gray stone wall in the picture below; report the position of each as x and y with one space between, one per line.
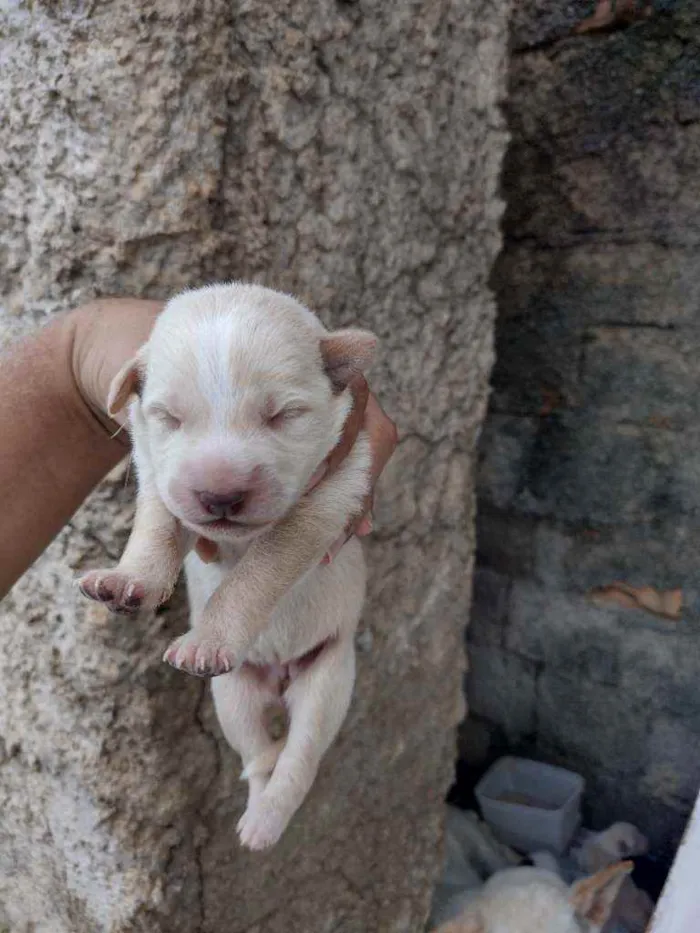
590 458
348 152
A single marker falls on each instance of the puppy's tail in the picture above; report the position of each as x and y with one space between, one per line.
264 764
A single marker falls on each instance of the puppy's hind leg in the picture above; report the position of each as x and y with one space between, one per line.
242 700
318 700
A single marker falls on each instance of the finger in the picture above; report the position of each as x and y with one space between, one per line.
383 437
107 333
363 527
360 529
362 524
353 425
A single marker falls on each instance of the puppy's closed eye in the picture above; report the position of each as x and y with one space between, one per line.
165 417
285 415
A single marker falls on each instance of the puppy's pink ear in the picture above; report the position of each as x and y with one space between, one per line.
346 353
593 898
127 383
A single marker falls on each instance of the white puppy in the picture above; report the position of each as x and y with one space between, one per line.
532 900
634 907
236 400
598 850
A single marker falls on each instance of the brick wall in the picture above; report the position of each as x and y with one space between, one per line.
590 458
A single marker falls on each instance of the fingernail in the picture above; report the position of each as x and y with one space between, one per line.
364 527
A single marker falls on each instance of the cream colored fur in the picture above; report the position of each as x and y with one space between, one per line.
241 388
621 840
634 907
532 900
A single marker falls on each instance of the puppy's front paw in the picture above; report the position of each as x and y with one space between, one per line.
261 825
200 654
120 592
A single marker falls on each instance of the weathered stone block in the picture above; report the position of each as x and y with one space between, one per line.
537 358
504 451
505 541
501 689
591 283
641 375
552 550
593 725
660 670
598 149
673 768
658 553
572 637
599 290
489 610
587 469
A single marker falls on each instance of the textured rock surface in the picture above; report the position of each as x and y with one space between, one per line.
590 462
346 151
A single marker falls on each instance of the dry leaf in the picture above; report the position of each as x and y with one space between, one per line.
660 421
667 604
611 13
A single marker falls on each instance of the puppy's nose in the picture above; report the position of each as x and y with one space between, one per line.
222 505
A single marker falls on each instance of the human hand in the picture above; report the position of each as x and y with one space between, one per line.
106 334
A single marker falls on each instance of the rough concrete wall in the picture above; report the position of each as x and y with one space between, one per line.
590 461
346 151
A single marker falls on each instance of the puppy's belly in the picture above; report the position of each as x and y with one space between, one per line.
277 677
325 603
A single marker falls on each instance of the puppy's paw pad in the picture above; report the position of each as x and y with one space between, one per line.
118 591
199 655
261 825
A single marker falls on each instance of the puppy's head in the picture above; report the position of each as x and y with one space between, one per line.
531 900
237 397
619 841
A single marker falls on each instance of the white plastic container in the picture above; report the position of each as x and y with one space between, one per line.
531 806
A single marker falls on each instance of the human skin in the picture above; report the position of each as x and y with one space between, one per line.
58 442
